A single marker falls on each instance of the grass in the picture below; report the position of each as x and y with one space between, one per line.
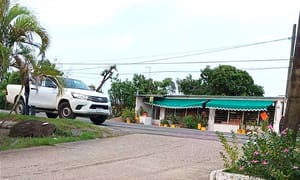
67 130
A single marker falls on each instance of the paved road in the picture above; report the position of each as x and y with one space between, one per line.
147 152
134 156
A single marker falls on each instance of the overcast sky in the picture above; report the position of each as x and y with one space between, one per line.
169 32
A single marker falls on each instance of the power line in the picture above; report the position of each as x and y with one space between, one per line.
169 63
192 53
189 71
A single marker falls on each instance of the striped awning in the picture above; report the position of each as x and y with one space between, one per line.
239 105
179 103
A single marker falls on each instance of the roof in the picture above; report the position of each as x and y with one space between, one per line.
239 105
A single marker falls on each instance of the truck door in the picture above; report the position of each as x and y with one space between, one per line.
43 96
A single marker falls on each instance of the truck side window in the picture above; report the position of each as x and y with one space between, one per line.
48 83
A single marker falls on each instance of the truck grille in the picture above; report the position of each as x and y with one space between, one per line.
99 107
98 99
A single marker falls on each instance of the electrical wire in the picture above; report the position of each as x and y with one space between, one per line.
191 53
173 63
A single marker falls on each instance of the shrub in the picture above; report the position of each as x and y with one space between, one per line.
190 122
270 156
232 151
128 113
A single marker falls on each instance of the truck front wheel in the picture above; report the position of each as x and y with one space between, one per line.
20 107
65 111
98 119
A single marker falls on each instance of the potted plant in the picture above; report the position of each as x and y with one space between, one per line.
143 112
128 115
164 123
174 120
204 123
190 122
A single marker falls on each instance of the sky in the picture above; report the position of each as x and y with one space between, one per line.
169 38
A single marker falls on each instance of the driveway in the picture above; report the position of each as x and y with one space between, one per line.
133 156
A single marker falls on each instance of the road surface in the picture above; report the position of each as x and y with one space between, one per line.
133 156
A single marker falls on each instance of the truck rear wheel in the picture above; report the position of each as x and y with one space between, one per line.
65 111
20 107
98 119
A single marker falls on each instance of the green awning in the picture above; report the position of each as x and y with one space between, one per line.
179 103
239 105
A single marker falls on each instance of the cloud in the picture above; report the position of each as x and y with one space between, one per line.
122 43
77 13
247 10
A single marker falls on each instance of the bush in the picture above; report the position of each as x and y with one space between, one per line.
190 122
128 113
270 156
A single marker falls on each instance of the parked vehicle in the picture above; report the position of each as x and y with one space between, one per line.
63 97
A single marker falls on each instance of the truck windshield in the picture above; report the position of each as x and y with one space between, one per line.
75 84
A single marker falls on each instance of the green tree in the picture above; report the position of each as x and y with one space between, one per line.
167 86
190 86
230 81
145 86
122 95
20 34
223 80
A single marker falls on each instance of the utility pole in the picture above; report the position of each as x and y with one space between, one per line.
291 60
292 114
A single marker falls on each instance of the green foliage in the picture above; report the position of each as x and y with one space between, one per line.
18 27
8 78
45 67
271 156
62 134
232 152
190 86
222 80
163 122
128 113
122 95
190 122
201 119
14 78
173 118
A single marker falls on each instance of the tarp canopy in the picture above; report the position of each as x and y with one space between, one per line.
239 105
179 103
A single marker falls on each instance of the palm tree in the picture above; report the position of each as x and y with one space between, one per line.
20 34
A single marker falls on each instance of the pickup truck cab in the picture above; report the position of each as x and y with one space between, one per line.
63 97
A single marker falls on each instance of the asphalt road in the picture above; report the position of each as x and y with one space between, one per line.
133 156
146 152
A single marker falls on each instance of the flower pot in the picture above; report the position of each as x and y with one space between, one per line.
199 126
243 131
173 125
128 121
165 125
203 128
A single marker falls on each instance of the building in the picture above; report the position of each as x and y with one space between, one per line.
224 113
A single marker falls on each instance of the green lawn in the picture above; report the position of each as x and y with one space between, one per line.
65 129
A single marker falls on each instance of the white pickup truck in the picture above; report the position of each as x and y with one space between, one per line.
73 99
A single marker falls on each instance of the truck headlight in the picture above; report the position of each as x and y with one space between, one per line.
79 96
